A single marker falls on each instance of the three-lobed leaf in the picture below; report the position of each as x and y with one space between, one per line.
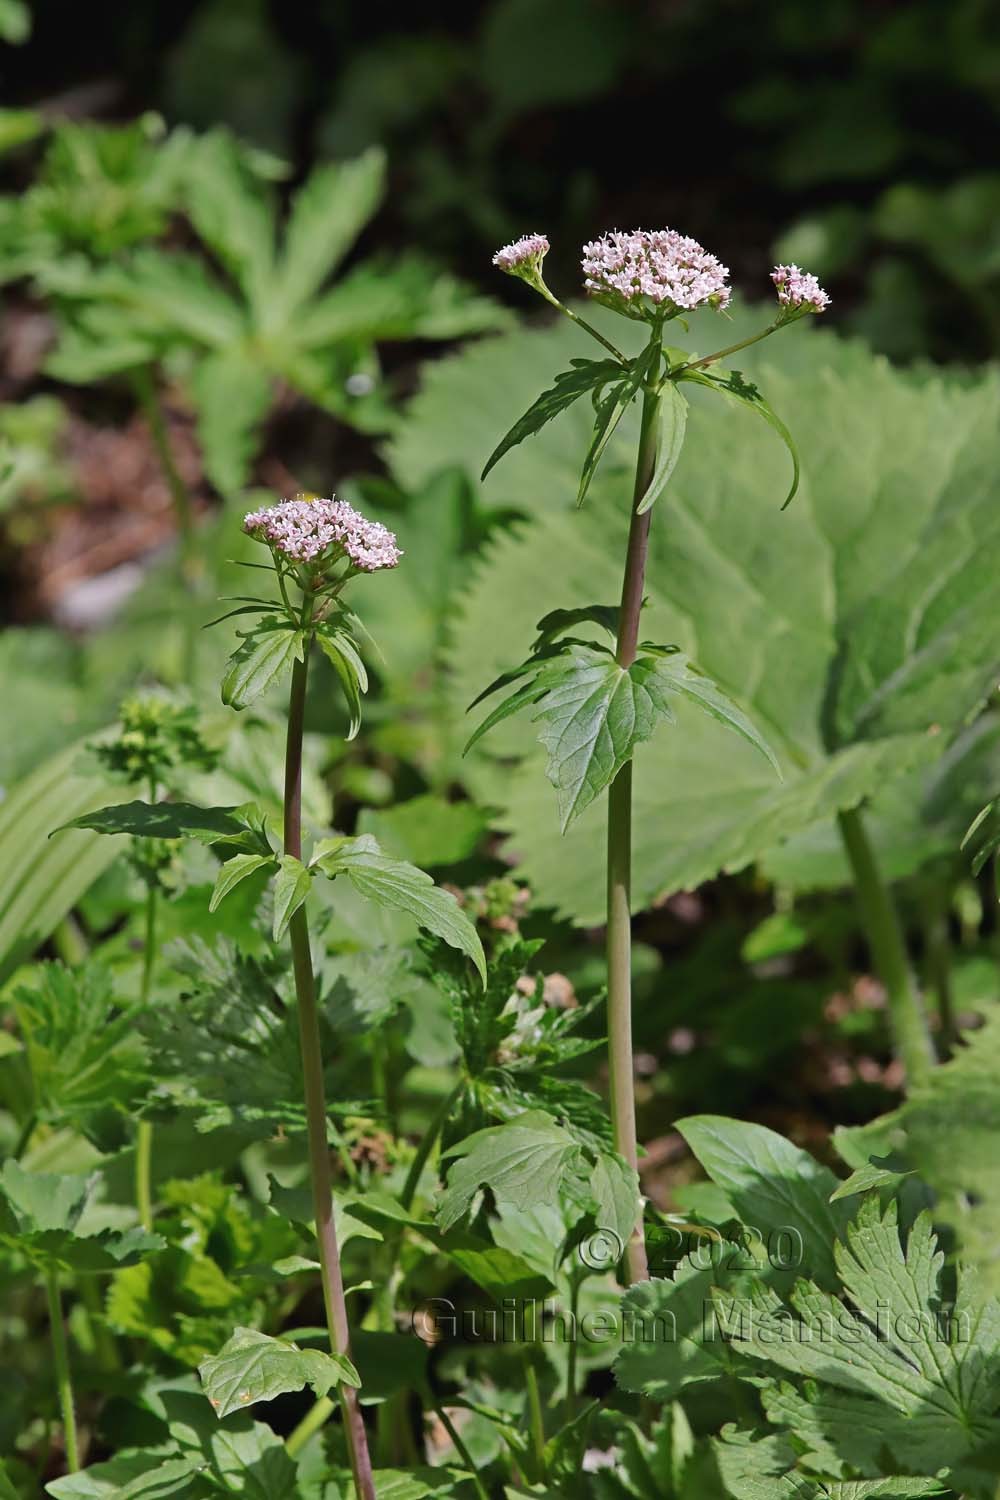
255 1367
593 711
401 886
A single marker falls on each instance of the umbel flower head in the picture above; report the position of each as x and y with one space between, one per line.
671 271
798 291
307 530
523 257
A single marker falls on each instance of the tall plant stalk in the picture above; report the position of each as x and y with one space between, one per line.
619 937
884 931
315 1098
144 1128
64 1383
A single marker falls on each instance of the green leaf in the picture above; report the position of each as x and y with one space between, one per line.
149 1474
397 885
163 820
922 1375
947 1130
586 375
523 1163
328 213
253 1367
615 1187
40 881
291 888
609 411
261 661
39 1214
231 212
734 385
772 1184
83 1047
341 652
673 424
232 392
594 712
235 870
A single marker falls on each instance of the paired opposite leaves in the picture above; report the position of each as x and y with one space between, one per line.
593 712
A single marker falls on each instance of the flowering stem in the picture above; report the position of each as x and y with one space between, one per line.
619 939
144 1129
888 947
315 1098
580 322
710 359
64 1382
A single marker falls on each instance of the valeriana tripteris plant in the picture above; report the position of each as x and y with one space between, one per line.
316 548
597 701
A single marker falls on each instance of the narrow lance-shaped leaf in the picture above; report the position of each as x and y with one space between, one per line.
233 871
343 656
290 890
610 410
742 390
586 375
673 425
163 820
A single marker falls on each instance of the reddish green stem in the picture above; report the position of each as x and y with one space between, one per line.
315 1096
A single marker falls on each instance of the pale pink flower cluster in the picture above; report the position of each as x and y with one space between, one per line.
797 289
660 264
304 530
522 254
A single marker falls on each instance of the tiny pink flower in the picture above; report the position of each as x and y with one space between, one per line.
671 270
523 257
798 291
304 530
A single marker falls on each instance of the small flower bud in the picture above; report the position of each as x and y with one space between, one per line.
523 257
798 291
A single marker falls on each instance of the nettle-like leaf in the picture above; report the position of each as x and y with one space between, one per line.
946 1131
229 1050
254 1367
857 630
273 317
534 1160
593 712
400 886
896 1366
219 1262
39 1215
514 1045
81 1045
763 1468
